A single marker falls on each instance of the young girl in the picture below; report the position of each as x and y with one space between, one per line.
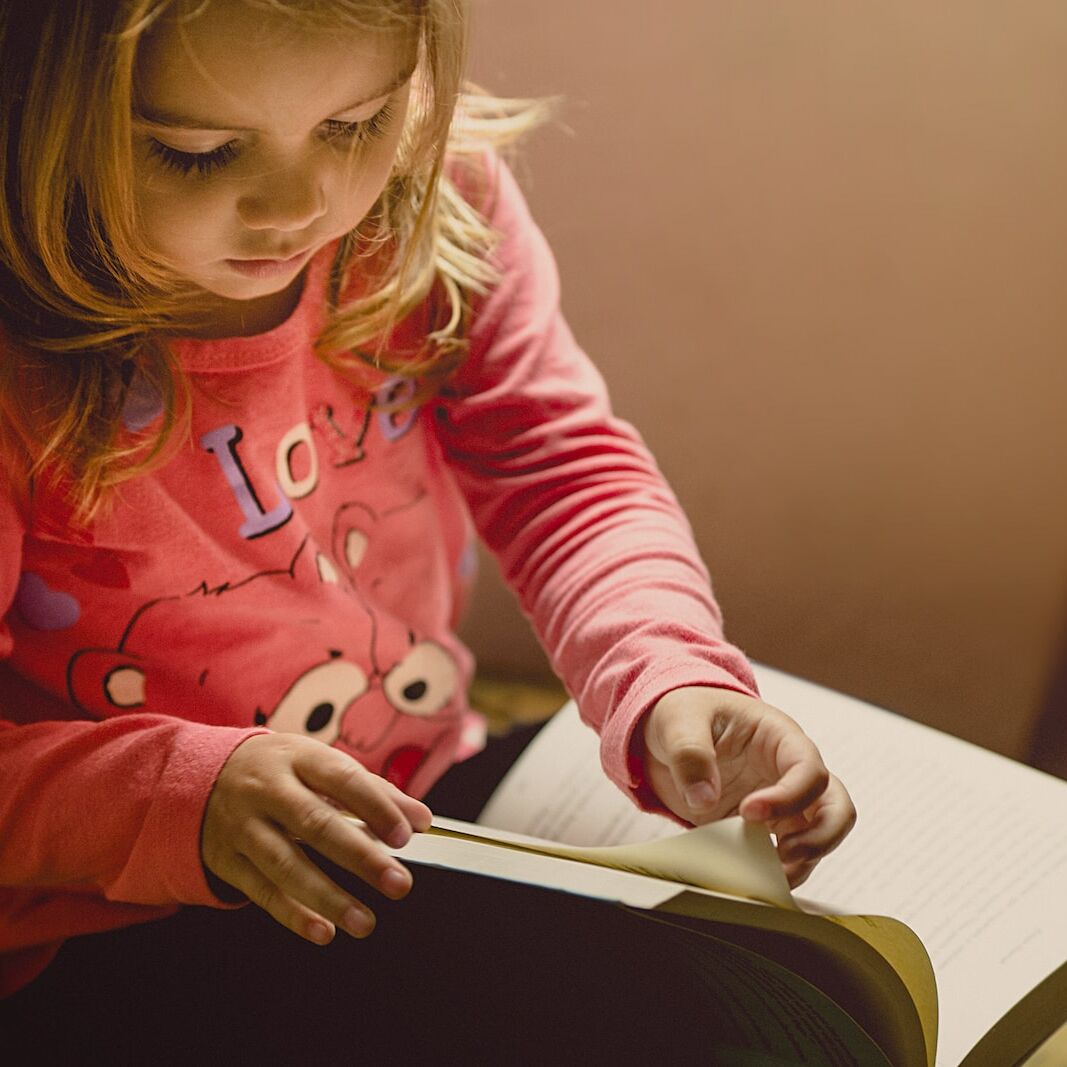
276 327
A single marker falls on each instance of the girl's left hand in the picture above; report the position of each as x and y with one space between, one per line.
712 752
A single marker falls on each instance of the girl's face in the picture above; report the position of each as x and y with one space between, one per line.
257 142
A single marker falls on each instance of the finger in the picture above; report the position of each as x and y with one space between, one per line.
377 802
797 874
304 815
813 844
801 784
285 865
829 824
415 811
682 742
795 824
265 894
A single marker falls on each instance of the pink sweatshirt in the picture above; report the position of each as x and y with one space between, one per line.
299 565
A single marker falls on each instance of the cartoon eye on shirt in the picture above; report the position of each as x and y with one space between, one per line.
125 687
423 682
315 703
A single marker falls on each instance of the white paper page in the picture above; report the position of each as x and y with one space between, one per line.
968 848
557 791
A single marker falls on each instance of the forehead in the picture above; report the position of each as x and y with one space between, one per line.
245 67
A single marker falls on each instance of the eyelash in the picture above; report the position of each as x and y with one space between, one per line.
185 162
367 130
204 163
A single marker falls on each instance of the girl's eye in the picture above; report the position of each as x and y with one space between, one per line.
185 162
205 163
366 130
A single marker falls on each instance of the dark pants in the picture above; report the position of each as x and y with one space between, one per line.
465 970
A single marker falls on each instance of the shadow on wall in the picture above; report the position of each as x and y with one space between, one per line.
1048 749
819 254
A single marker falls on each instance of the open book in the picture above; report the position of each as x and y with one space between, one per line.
965 850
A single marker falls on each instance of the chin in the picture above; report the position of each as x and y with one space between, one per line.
248 288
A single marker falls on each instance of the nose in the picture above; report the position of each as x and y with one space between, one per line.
289 198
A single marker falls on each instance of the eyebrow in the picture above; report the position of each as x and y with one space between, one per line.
178 121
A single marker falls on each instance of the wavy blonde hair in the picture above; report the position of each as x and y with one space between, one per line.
85 306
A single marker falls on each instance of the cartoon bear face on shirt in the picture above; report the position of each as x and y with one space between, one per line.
297 649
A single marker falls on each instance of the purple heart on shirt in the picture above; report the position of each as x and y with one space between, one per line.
143 405
396 418
44 608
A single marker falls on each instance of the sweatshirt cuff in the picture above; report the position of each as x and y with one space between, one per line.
167 856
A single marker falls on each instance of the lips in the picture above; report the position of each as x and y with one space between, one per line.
291 257
264 268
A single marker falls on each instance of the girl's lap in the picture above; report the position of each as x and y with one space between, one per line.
465 969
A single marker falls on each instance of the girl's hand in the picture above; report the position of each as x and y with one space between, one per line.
275 788
713 752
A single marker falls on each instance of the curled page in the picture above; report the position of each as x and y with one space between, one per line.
730 856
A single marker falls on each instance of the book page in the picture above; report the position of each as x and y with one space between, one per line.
556 791
474 856
731 856
761 1014
966 847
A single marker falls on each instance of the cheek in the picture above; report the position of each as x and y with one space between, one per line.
358 193
362 184
178 217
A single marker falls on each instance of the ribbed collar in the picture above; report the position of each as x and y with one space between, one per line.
286 340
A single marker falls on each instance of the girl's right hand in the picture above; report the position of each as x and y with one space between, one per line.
276 788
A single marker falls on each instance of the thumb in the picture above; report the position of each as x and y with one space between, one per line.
678 735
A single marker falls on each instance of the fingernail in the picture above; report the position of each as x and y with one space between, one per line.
357 923
699 796
319 932
757 811
395 882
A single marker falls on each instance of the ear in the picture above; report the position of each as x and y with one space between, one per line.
352 526
310 565
102 682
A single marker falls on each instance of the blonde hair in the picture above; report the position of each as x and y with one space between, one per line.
86 307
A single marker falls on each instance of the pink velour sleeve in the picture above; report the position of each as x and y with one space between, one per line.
99 821
570 501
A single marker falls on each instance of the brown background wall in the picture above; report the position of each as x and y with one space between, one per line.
819 252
